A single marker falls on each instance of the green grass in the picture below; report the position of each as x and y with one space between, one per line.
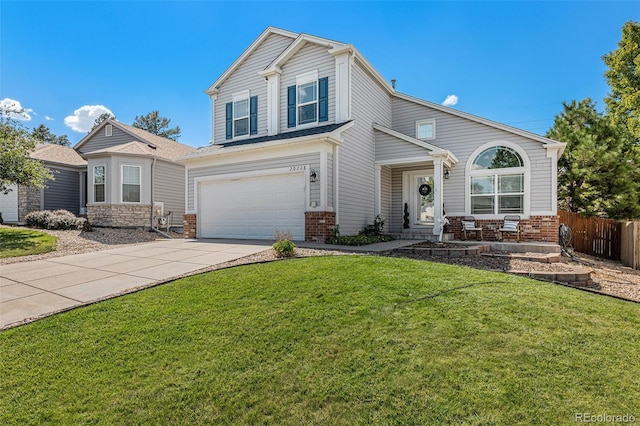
23 242
333 340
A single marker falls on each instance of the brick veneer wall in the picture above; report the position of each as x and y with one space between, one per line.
28 201
190 226
536 228
318 225
120 215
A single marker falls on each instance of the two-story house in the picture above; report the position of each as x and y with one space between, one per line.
308 135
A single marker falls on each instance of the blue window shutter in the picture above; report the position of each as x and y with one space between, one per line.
229 120
291 106
253 115
323 99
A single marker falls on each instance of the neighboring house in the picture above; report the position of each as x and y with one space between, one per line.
118 175
307 135
131 177
65 191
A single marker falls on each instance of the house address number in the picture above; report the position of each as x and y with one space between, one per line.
297 168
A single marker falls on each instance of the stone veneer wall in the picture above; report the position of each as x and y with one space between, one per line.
536 228
190 226
318 225
120 215
28 201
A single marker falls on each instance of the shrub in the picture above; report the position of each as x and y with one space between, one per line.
370 234
56 219
283 246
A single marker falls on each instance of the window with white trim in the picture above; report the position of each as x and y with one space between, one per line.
426 129
241 114
108 130
99 179
497 182
308 102
131 184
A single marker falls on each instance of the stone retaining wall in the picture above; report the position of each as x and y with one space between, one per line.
120 215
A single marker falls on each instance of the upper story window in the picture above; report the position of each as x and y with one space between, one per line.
241 116
308 100
426 129
108 130
131 184
99 184
497 182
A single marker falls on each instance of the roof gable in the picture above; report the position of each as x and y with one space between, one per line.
547 143
58 154
164 148
252 48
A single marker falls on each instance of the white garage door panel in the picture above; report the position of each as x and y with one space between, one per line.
252 208
9 204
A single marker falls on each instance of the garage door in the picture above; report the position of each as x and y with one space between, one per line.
252 208
9 204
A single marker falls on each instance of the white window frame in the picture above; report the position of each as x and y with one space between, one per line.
525 171
104 184
108 130
301 80
239 97
432 122
122 183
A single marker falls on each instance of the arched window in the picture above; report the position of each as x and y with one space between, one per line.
497 182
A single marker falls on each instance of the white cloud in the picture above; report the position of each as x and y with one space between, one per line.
16 110
46 117
451 100
83 118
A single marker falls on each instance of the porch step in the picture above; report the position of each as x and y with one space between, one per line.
423 235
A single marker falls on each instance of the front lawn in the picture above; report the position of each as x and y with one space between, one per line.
330 340
23 242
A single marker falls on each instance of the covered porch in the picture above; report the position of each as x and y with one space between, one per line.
409 184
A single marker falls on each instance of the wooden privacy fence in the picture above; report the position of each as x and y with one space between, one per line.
594 236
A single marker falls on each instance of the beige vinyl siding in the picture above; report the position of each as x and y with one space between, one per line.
392 148
309 58
169 189
64 191
385 196
246 77
311 159
462 136
397 203
370 103
100 141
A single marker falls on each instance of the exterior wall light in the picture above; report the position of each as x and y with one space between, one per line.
446 173
313 175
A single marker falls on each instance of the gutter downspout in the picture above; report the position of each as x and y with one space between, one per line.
153 167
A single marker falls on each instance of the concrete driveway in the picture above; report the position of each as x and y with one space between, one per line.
31 290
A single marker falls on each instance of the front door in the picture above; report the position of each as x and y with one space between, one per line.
418 194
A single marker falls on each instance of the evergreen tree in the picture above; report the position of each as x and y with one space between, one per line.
43 134
598 173
156 124
102 117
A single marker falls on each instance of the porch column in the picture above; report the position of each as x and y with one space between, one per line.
437 194
378 190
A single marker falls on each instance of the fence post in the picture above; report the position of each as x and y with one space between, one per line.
630 244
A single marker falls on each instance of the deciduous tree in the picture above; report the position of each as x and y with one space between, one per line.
16 167
156 124
623 76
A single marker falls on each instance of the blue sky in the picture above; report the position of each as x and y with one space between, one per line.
512 62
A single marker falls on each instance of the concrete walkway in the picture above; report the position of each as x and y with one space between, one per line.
31 290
